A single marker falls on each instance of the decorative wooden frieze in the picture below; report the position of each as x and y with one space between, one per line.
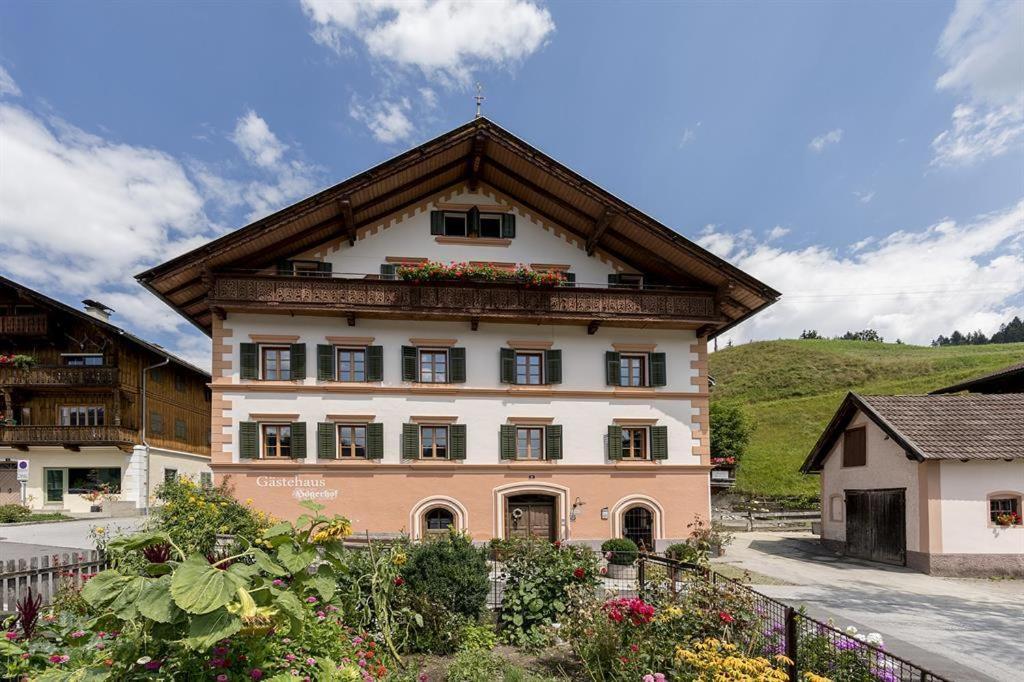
59 376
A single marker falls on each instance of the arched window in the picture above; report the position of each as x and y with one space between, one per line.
638 526
437 520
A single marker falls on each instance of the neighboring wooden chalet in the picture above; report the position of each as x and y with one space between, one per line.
71 403
933 482
554 384
1006 380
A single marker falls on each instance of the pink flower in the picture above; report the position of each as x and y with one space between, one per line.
648 678
77 633
634 648
289 657
57 659
311 661
101 646
331 608
659 677
11 636
222 678
604 570
256 674
277 582
311 600
357 641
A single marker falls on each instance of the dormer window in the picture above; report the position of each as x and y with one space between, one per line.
454 224
473 224
490 225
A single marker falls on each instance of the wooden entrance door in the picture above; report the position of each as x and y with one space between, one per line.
530 516
876 525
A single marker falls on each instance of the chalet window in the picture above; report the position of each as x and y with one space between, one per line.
455 224
83 360
855 447
632 370
634 443
351 364
82 415
206 479
180 429
472 223
277 441
170 475
156 423
434 442
179 383
998 506
81 481
303 268
433 366
277 362
530 442
490 225
529 368
351 441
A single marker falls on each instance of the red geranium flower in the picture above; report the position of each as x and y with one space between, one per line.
579 573
725 617
399 581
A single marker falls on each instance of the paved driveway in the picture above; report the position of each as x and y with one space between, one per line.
965 629
37 539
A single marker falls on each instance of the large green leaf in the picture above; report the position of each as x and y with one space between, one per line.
125 603
293 559
9 649
198 587
155 601
290 604
207 629
282 528
103 588
95 673
266 564
325 585
243 571
137 541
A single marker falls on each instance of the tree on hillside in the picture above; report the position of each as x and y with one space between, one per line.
730 431
810 334
862 335
1012 332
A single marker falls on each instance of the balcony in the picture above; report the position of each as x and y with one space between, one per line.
71 437
372 297
23 325
58 376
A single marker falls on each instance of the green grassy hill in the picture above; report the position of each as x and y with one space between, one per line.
790 389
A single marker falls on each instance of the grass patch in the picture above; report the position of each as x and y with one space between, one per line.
49 516
790 389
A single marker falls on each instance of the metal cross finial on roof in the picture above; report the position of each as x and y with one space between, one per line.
479 98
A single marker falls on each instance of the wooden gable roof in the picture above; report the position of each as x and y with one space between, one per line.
479 152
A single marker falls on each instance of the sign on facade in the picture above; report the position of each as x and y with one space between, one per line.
22 469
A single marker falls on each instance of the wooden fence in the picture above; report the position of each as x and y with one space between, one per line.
43 575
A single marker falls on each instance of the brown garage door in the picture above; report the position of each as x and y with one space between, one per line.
876 525
10 489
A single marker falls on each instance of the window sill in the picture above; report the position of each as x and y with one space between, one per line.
474 241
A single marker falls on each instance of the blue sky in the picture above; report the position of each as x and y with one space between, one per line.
866 159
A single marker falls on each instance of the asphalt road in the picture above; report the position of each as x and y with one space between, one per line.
38 539
965 629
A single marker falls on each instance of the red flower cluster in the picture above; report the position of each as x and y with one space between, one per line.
636 610
725 617
723 460
579 573
399 581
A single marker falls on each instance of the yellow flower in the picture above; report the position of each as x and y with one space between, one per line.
399 559
100 530
248 501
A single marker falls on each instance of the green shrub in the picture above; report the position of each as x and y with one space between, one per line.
538 576
685 552
451 573
12 513
486 666
477 638
193 515
623 551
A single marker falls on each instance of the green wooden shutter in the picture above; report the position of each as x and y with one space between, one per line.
437 222
298 434
327 440
285 267
612 368
456 365
325 362
614 441
410 441
553 441
553 366
409 357
508 225
248 440
388 271
507 365
375 363
457 441
250 360
507 441
659 442
298 361
375 441
324 268
569 279
473 222
658 371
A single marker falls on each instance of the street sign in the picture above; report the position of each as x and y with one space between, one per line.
22 469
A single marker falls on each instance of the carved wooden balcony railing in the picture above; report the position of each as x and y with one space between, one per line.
460 300
59 376
23 325
68 436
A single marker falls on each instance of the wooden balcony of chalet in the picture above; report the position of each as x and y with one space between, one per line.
58 376
23 325
371 296
71 437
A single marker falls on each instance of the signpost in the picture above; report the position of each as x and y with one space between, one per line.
23 479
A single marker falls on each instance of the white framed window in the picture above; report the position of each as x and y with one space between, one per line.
276 362
634 442
633 369
352 441
434 442
530 442
529 368
433 366
455 224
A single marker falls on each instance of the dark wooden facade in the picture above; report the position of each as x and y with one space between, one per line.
31 399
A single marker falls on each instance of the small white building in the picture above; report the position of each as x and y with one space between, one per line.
925 481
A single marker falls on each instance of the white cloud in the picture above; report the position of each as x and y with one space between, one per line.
983 48
777 232
7 84
819 143
446 40
689 135
429 98
912 285
388 121
864 197
260 146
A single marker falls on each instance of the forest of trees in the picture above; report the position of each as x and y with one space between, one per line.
862 335
1011 332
